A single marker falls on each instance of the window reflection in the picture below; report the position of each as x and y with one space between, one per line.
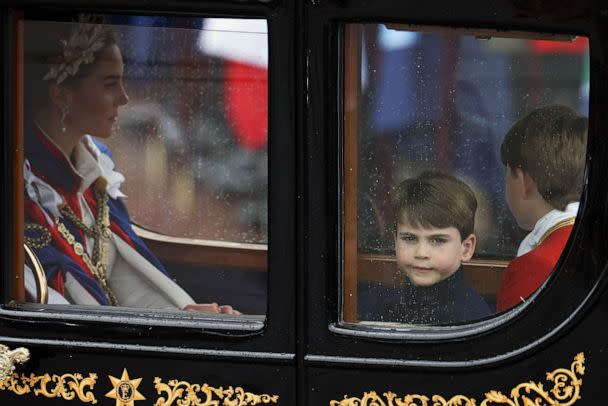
198 120
428 101
166 117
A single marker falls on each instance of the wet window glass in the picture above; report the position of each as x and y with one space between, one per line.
146 179
464 154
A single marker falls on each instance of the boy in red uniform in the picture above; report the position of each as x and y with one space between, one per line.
544 156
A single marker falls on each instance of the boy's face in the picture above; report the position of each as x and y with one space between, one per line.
429 255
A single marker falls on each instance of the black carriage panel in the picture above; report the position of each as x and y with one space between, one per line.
335 337
248 123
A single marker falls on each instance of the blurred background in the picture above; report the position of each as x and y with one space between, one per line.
192 142
444 102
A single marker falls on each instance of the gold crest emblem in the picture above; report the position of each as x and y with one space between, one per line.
125 390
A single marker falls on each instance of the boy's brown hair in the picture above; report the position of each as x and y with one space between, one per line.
549 144
434 199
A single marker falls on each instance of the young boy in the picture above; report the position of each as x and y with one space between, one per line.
544 157
433 222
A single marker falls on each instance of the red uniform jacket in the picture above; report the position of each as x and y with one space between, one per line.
527 273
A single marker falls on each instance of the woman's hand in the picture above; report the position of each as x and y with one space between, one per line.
211 308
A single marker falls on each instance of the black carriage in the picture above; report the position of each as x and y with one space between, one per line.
260 145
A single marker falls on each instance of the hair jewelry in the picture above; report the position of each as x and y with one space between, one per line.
85 38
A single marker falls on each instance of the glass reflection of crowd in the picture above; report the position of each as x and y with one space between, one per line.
202 116
433 101
445 102
198 124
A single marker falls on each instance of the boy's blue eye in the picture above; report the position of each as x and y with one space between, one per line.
438 240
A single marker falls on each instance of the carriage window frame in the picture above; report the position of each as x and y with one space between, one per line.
14 305
347 174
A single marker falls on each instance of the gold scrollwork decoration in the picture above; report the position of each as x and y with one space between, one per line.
66 386
565 392
187 394
19 385
8 359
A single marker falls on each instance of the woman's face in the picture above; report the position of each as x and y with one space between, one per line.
93 103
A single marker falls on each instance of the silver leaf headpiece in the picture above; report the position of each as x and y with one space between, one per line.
85 38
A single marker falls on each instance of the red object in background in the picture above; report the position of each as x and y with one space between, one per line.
246 103
579 46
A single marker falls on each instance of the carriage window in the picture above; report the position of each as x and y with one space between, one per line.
464 155
146 162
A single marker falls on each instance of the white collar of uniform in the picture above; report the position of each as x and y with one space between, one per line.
91 164
543 225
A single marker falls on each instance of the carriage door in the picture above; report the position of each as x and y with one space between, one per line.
201 156
407 90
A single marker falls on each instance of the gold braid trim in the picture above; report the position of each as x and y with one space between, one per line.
100 231
561 224
98 270
40 241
